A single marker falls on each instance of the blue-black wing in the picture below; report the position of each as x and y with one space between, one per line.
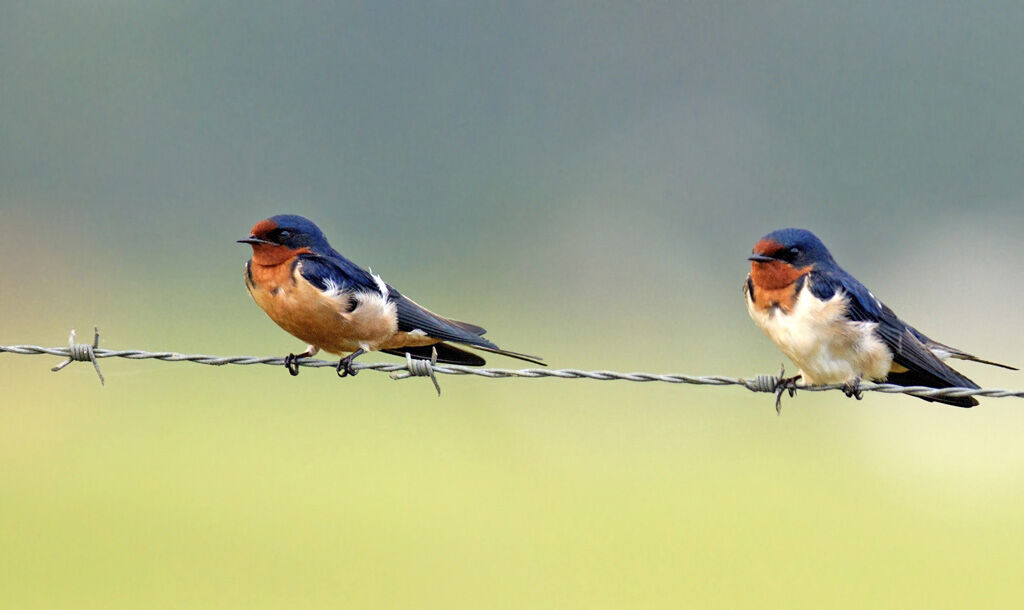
336 272
922 366
412 316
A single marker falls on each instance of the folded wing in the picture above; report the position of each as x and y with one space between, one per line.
413 316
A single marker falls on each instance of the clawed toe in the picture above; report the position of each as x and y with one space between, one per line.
291 362
852 389
345 366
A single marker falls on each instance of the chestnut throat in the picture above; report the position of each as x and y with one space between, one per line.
775 275
272 255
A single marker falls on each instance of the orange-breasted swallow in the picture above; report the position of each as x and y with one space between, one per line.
835 329
329 302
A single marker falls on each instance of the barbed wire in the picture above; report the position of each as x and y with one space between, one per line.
774 384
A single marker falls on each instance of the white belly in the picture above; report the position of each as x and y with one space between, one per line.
823 342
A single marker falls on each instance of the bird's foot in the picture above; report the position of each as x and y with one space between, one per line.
345 367
291 361
785 384
852 388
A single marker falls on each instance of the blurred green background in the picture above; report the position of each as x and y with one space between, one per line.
585 179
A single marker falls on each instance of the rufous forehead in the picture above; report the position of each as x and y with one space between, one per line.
263 227
767 246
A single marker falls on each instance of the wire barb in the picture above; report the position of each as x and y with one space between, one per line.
417 367
82 352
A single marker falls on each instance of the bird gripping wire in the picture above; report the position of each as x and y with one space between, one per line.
412 367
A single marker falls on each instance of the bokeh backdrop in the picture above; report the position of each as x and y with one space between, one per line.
584 179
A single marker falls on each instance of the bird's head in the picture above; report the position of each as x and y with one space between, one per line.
281 237
782 256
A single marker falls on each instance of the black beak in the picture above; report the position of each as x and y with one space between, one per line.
254 240
760 258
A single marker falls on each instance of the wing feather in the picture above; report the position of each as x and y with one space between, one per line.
335 274
923 366
412 316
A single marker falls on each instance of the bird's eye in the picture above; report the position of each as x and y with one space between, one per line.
788 255
284 234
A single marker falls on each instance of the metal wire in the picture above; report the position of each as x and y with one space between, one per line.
81 352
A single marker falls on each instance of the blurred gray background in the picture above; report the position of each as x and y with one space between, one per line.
584 179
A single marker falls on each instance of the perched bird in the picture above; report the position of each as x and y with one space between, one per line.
835 329
332 304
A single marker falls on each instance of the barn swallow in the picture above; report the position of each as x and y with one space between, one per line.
835 329
329 302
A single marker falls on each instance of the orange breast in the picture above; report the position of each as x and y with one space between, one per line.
269 277
325 321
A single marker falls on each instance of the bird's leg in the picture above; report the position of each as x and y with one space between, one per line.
852 388
291 361
345 367
784 384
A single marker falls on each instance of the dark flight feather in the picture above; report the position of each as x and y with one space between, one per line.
516 355
343 273
473 328
412 316
956 353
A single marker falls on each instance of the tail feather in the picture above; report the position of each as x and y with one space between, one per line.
447 354
912 378
963 356
946 351
516 355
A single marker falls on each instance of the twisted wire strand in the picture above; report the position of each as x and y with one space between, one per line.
428 368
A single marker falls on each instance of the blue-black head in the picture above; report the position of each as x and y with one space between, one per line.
797 247
288 230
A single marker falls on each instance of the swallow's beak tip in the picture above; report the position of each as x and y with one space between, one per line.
250 240
759 258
